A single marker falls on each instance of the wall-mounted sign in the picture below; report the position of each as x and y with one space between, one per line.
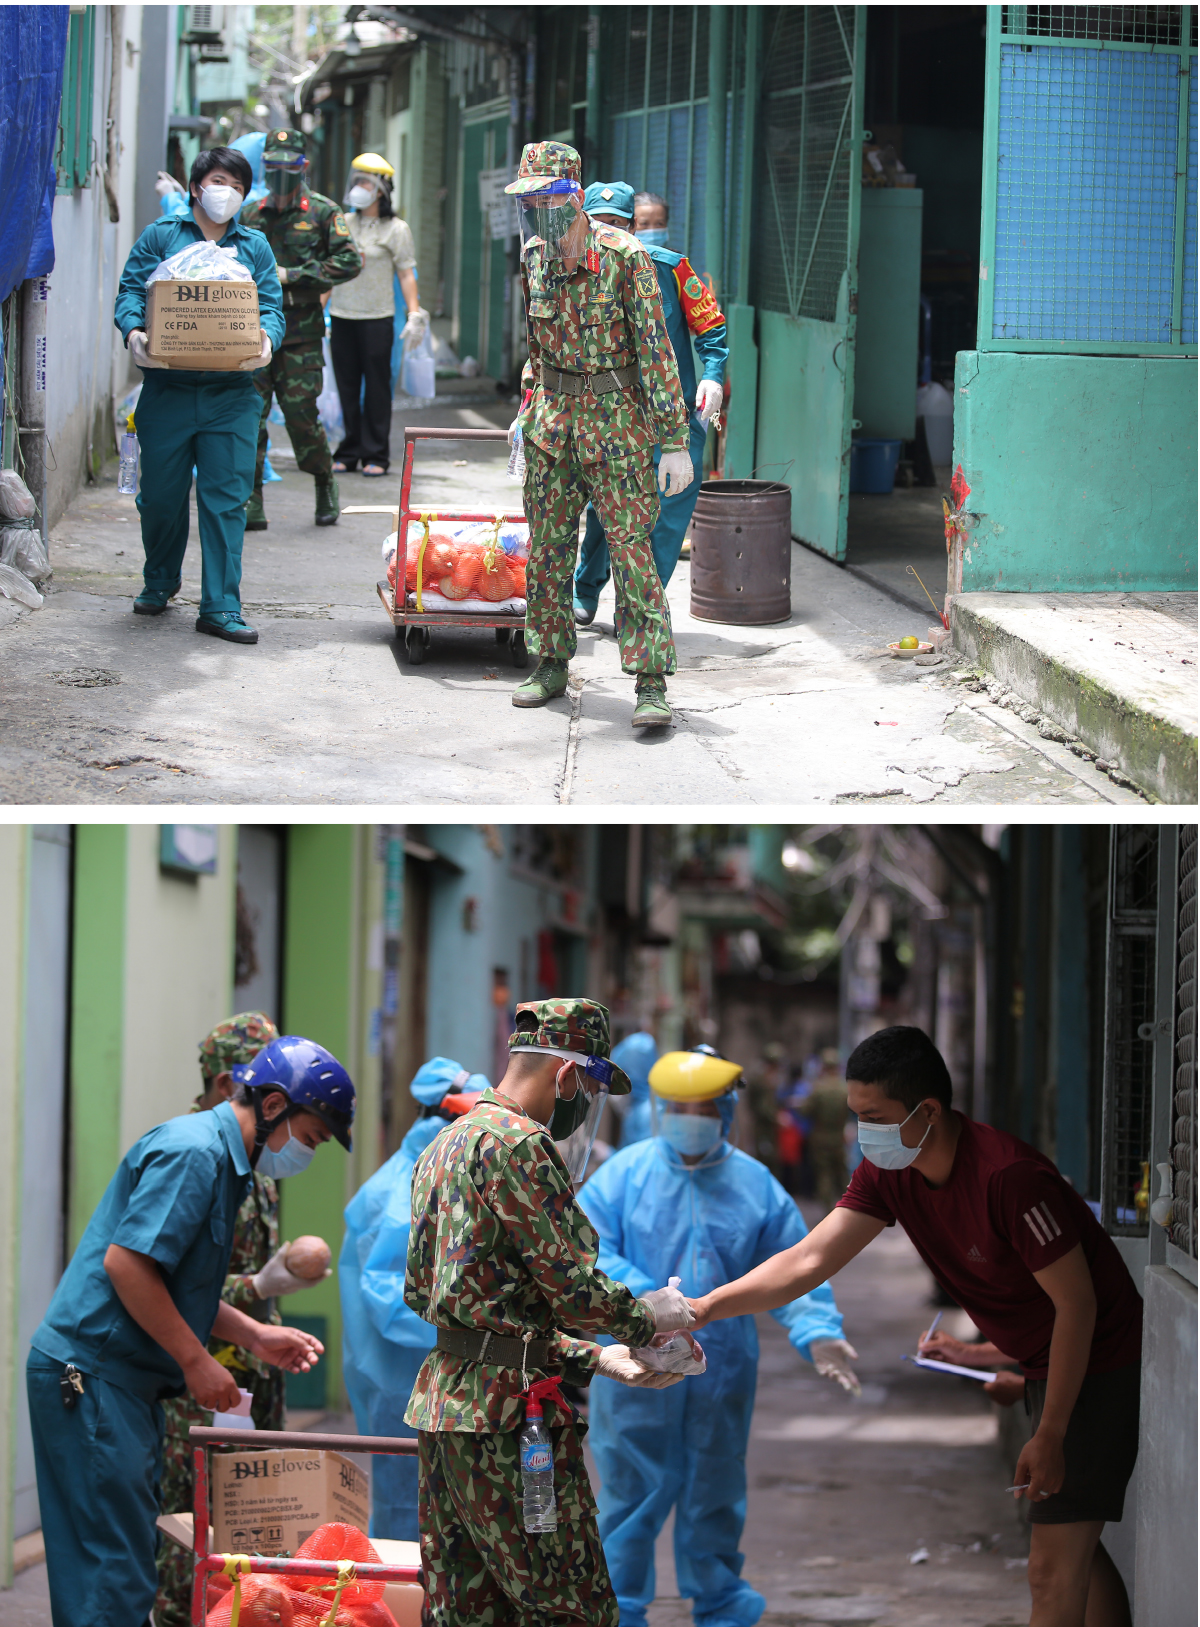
189 850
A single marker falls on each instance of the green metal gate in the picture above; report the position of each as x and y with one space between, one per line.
805 260
482 281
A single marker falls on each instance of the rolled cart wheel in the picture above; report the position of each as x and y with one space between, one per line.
414 645
516 648
502 635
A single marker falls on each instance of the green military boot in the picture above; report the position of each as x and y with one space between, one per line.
328 507
651 711
546 683
256 517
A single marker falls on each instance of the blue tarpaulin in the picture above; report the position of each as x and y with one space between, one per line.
33 42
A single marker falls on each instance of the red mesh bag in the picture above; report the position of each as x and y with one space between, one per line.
266 1602
441 555
374 1614
497 583
337 1541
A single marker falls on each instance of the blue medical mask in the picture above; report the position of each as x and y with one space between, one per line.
881 1144
691 1134
293 1158
655 237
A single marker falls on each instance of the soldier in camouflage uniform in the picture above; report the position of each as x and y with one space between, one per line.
601 392
502 1260
314 250
255 1242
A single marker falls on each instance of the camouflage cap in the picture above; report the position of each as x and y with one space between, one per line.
543 161
237 1040
569 1024
284 147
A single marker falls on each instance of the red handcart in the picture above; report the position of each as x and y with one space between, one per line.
208 1564
413 625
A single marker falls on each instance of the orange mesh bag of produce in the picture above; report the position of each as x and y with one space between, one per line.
265 1602
337 1541
497 583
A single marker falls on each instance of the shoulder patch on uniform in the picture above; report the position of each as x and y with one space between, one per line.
339 224
694 287
645 282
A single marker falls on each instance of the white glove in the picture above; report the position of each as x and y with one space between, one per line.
512 429
832 1358
669 1308
252 363
137 349
709 397
275 1279
617 1362
415 329
676 467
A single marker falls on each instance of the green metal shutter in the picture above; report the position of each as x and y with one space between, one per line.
1183 1124
73 157
1089 202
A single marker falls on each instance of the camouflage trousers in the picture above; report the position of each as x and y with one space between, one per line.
625 498
294 377
177 1490
482 1568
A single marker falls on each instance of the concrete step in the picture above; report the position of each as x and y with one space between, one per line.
1117 671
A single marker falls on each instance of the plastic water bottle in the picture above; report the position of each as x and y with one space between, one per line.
537 1468
127 475
516 458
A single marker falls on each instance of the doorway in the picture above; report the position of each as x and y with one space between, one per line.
258 944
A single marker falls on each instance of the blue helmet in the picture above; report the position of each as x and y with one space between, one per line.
312 1079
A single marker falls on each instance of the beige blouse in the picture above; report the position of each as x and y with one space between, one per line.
386 246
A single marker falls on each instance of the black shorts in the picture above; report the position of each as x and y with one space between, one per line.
1100 1446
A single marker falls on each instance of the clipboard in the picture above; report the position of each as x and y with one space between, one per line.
951 1368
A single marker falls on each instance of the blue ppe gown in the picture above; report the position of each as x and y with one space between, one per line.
383 1342
675 511
175 1197
637 1054
686 1446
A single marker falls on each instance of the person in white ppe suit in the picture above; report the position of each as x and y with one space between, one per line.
687 1204
383 1342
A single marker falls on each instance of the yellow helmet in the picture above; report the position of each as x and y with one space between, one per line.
372 164
692 1076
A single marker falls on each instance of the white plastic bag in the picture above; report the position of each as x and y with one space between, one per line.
16 500
678 1355
329 403
15 586
201 260
417 376
22 548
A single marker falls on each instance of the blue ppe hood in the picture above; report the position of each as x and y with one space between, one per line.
441 1077
637 1054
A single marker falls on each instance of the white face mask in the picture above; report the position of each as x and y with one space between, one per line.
360 197
220 203
881 1144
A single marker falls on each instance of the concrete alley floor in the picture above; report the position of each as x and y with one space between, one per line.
843 1493
106 707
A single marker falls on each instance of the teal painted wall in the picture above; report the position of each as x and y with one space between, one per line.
889 310
801 410
1082 472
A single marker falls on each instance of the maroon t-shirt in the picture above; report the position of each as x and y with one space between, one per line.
1005 1213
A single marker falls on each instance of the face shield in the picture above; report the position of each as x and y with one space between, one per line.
577 1111
553 220
362 189
284 177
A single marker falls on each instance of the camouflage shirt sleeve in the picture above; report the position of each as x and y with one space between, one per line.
531 373
335 258
661 388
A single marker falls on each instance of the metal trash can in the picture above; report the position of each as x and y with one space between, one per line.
742 552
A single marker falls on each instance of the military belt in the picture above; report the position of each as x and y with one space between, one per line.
493 1349
616 378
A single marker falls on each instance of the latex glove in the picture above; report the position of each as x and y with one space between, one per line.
677 468
415 329
617 1362
670 1310
275 1278
832 1358
252 363
137 349
709 397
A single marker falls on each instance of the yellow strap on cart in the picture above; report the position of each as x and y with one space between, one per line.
236 1566
425 520
489 553
346 1575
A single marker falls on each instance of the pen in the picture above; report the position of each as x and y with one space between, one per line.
933 1327
1026 1487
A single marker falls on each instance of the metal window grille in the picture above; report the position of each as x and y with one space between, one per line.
1129 1026
73 155
809 148
1182 1227
1089 180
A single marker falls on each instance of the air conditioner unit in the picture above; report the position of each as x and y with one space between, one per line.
205 24
214 51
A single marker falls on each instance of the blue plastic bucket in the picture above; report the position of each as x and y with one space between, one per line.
873 466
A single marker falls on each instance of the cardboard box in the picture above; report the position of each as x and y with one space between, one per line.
270 1502
203 326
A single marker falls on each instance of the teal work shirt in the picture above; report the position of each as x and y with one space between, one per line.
166 237
692 317
175 1197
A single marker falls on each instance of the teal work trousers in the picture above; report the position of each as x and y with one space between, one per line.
212 427
98 1466
666 540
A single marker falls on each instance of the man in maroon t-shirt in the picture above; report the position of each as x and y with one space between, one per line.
1024 1256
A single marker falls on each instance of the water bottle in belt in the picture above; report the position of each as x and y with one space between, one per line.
127 474
537 1459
